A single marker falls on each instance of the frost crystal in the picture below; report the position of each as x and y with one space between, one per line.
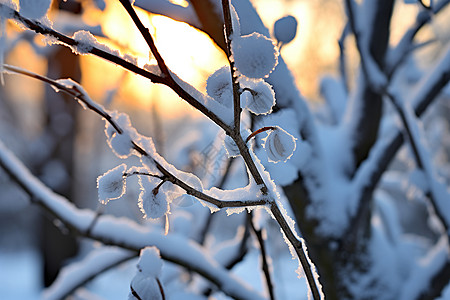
285 29
152 202
86 41
279 145
34 9
255 55
218 86
261 98
111 185
121 143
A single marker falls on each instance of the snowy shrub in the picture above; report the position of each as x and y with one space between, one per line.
357 186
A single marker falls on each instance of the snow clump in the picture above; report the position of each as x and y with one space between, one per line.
279 145
112 184
255 55
258 96
218 86
121 143
145 284
152 201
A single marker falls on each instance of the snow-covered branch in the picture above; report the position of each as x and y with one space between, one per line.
123 232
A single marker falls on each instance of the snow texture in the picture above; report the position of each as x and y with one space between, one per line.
279 145
126 232
121 143
218 86
86 41
255 55
112 184
152 202
285 29
34 9
150 263
261 98
76 273
221 111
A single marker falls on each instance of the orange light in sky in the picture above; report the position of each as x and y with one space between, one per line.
188 52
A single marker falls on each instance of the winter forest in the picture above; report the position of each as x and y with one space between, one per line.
224 149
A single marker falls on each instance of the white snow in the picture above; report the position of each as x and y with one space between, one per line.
150 263
121 143
75 274
218 86
112 184
279 145
255 55
152 202
261 98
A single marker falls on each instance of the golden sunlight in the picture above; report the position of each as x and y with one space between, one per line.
188 52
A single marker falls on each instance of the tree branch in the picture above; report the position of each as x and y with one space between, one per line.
123 232
168 81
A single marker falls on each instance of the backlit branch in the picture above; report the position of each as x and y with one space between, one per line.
70 42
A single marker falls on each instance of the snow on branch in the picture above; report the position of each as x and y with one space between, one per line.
397 55
372 72
123 232
384 150
86 44
79 273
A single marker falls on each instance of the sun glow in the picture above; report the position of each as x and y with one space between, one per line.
188 52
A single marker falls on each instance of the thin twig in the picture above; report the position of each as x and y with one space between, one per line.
417 157
299 249
234 133
167 175
168 81
146 35
265 263
235 84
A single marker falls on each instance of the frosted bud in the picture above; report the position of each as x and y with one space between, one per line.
279 145
218 86
152 202
258 96
150 263
230 146
121 143
285 29
255 55
34 9
111 185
